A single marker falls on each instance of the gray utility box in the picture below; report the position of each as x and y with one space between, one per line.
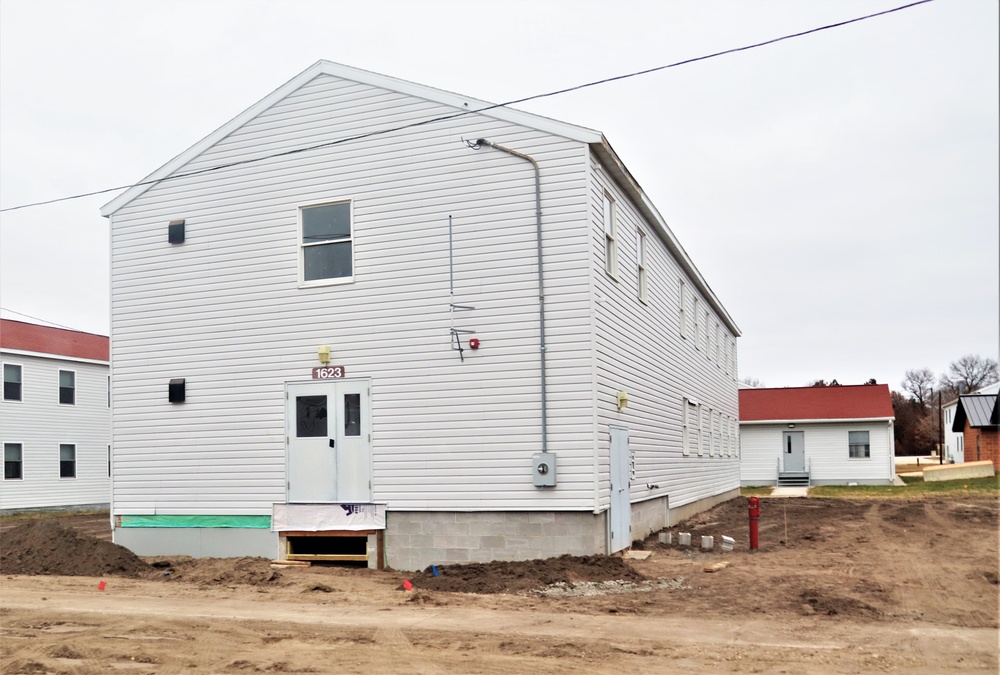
543 469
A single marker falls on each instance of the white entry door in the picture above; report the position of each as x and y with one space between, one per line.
794 450
620 512
328 441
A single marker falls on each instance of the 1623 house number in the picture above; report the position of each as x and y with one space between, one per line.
328 372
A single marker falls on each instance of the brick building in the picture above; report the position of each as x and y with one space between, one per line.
978 419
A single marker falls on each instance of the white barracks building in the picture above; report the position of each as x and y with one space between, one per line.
391 328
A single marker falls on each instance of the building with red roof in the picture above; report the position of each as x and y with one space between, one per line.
817 436
55 418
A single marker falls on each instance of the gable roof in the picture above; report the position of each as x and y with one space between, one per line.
981 410
464 105
988 389
851 402
30 337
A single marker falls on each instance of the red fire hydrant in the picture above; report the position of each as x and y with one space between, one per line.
754 504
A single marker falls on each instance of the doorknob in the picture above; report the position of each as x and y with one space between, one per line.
333 443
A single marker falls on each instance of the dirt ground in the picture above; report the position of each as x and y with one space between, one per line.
838 586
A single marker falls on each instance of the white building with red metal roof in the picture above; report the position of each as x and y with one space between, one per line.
55 418
817 436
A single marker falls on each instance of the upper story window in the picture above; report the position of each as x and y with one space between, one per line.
697 326
718 344
681 311
640 261
610 236
326 242
11 382
67 387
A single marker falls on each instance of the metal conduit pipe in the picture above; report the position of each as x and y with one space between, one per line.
541 276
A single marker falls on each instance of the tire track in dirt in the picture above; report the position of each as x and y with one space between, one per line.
395 639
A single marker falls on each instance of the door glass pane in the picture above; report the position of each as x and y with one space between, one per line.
352 414
310 416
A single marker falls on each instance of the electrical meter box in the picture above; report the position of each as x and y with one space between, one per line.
543 469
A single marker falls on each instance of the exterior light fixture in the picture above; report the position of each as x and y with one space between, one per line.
622 398
323 353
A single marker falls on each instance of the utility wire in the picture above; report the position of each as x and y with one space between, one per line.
470 112
53 323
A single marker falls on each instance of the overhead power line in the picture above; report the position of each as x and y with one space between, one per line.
462 113
36 318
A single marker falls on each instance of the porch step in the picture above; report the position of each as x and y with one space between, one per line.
793 479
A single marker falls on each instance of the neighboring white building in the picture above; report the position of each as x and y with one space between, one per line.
817 436
54 419
954 442
358 216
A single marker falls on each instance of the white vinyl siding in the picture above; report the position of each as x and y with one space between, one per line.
446 434
39 424
640 349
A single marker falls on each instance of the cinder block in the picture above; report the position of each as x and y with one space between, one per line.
684 538
493 542
707 543
666 538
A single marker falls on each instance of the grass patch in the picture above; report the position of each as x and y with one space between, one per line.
756 491
980 487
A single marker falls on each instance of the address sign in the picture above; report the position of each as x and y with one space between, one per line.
328 372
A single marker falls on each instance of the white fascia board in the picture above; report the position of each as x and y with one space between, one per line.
846 420
619 172
461 103
53 357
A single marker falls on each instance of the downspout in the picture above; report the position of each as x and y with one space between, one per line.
541 277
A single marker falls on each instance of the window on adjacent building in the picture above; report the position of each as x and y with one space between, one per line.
67 387
327 242
640 261
610 237
12 461
681 311
67 460
11 382
857 443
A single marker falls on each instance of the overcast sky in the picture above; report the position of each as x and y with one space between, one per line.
838 191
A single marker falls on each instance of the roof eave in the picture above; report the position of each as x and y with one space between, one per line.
613 164
842 420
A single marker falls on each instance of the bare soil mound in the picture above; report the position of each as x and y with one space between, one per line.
218 571
47 548
513 577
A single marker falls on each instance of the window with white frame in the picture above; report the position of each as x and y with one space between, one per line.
724 421
732 357
858 446
610 236
326 243
708 337
713 438
640 261
681 308
13 461
685 424
704 438
736 437
718 344
11 382
67 387
697 326
67 460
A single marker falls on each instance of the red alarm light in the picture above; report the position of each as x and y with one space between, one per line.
473 343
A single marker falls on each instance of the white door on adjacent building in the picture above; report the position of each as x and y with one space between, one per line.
328 434
620 512
794 450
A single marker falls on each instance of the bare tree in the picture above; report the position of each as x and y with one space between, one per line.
969 373
919 383
753 382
